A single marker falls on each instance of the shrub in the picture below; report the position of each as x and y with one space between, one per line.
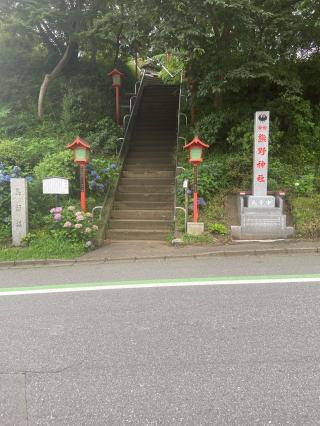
217 228
104 138
76 226
57 164
306 211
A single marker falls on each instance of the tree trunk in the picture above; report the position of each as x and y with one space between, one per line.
69 54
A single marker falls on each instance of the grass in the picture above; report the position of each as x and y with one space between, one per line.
306 211
44 247
205 238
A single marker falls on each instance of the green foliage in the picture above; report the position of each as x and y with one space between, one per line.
208 179
57 164
217 228
75 226
5 233
104 139
197 239
306 211
26 152
81 108
44 245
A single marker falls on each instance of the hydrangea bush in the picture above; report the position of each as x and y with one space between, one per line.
74 224
100 176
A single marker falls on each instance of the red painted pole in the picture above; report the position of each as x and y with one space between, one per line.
195 194
118 105
83 187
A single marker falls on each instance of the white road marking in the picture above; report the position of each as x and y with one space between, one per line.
102 287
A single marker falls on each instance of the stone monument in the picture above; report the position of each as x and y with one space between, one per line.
19 209
261 215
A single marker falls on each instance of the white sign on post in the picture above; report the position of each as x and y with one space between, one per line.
55 186
260 157
19 209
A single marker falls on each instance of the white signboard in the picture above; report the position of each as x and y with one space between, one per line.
19 209
55 185
260 156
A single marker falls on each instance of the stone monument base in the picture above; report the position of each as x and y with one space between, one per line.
195 228
261 218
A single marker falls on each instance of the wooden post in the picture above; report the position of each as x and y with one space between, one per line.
83 187
118 105
195 194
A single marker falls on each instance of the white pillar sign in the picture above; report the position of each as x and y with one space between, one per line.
260 157
19 209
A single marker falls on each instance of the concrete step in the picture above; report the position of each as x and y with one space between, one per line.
144 197
143 181
148 174
142 214
162 133
143 205
141 161
153 155
140 224
148 148
147 189
152 145
136 234
148 168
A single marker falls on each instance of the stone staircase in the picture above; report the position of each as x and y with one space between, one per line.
143 206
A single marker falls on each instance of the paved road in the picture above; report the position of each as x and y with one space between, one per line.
216 355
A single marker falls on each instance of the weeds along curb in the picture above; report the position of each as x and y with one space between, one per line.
72 262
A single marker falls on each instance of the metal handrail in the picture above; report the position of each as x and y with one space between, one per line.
109 196
165 68
132 112
132 97
177 148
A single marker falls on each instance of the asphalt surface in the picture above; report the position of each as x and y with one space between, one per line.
220 355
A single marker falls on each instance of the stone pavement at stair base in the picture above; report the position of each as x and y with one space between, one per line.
262 218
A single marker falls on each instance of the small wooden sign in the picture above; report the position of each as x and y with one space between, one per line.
55 186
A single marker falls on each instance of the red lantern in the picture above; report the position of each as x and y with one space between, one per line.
81 151
195 148
116 76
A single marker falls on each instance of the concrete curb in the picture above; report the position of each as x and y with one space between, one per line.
217 253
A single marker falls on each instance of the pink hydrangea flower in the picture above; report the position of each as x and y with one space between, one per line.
79 218
57 217
58 209
78 213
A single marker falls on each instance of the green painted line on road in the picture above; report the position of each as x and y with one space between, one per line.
106 284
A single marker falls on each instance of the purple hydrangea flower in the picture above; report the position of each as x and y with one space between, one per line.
113 166
92 184
201 202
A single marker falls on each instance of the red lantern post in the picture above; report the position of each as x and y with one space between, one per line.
81 151
116 76
195 148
